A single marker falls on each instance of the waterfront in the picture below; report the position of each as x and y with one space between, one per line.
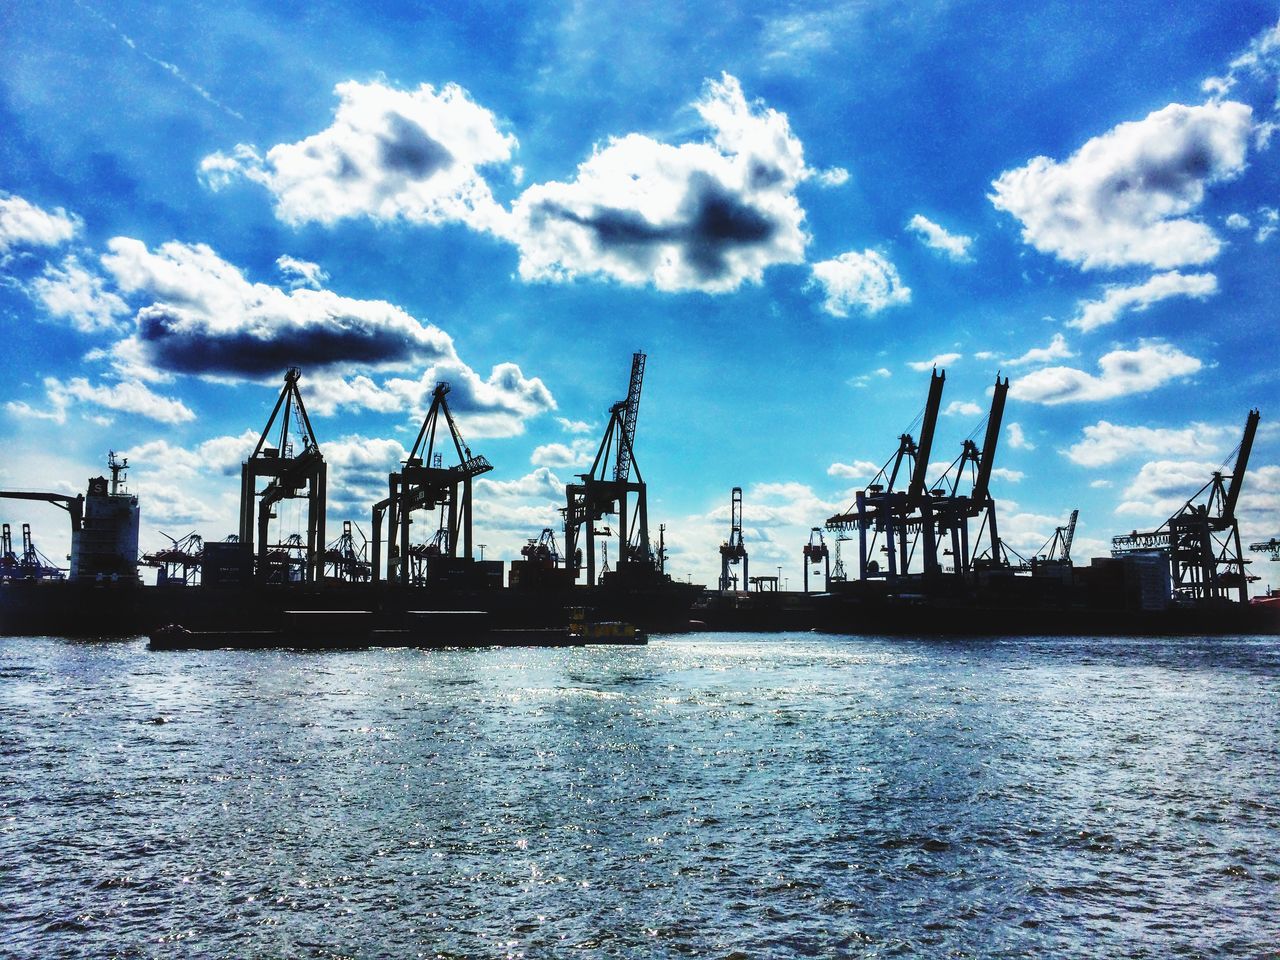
726 795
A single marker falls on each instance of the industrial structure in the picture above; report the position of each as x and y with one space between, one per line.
179 563
914 527
733 551
1271 547
1201 541
815 555
929 554
347 560
425 483
294 469
32 565
608 489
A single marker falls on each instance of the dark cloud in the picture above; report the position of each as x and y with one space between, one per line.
406 148
713 220
340 342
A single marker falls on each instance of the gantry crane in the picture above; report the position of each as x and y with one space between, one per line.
1058 547
883 509
733 550
608 489
32 565
346 559
926 518
424 483
179 563
1271 546
815 553
1202 540
289 471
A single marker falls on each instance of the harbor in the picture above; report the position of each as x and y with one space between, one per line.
927 557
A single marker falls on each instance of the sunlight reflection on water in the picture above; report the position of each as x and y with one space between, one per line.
765 795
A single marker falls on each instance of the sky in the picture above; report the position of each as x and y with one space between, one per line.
795 210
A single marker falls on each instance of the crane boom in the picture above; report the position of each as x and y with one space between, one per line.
1069 535
630 413
916 489
982 484
1242 464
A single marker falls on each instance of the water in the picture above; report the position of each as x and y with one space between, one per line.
718 796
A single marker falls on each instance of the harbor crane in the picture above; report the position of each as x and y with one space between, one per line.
1058 547
1271 546
32 565
1202 539
180 562
882 508
816 554
733 550
345 559
608 489
291 474
424 483
924 517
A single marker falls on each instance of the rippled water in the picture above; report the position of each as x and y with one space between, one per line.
720 796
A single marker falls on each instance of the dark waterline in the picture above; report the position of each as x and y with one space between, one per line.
707 795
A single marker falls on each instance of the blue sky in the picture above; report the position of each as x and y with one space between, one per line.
794 210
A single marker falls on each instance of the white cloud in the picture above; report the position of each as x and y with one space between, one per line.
1260 58
1017 439
498 405
22 223
126 396
863 281
389 154
301 273
858 470
1237 221
941 360
222 455
704 216
833 177
1056 350
1104 442
1123 198
1118 299
954 245
70 291
863 379
1009 476
1270 220
573 426
578 454
1161 487
961 408
1121 372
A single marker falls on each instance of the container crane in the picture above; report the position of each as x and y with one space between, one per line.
347 560
179 563
733 550
1058 547
1271 546
815 554
606 492
880 508
289 472
1202 539
424 483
